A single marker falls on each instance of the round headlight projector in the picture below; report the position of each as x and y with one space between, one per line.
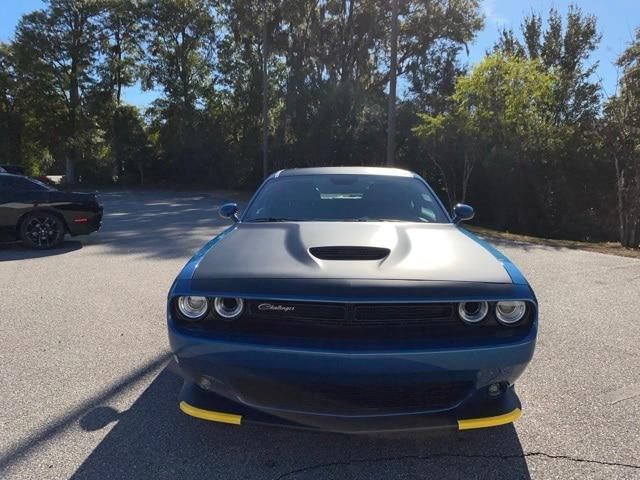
227 307
510 312
193 308
473 312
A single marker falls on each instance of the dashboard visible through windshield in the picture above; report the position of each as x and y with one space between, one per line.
356 198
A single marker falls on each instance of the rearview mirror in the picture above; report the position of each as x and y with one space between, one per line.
462 212
228 210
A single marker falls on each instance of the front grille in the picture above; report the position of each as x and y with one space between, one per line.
428 314
347 319
326 322
349 253
345 398
297 313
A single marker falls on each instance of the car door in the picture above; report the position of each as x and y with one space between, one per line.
18 195
4 214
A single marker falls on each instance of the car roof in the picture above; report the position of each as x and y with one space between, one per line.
6 174
384 171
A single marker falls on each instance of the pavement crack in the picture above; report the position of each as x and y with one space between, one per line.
581 460
320 466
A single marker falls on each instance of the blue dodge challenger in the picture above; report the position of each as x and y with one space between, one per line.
348 299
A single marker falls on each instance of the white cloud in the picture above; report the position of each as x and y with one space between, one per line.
489 10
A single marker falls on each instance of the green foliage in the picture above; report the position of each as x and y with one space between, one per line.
528 115
181 48
55 57
121 35
621 132
501 109
132 147
512 99
523 135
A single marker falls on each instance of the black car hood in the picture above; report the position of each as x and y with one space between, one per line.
256 252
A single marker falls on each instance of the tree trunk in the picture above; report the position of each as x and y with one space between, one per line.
466 175
265 87
74 104
119 67
393 73
620 198
445 178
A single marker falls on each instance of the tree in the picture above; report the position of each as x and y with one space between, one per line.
265 89
502 111
428 28
310 82
121 44
393 74
180 56
566 51
27 116
181 49
247 57
56 46
564 46
453 146
622 134
131 143
10 118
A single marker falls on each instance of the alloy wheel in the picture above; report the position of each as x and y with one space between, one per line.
43 231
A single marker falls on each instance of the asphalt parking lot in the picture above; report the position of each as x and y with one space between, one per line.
87 390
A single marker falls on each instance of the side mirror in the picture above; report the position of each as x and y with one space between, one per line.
462 212
228 210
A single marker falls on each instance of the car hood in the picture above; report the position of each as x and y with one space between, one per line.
434 252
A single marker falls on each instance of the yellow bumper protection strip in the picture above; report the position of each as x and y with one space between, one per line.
210 414
484 422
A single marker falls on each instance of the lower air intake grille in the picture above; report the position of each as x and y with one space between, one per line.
349 398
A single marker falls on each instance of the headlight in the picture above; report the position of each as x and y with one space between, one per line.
510 312
473 312
227 307
193 308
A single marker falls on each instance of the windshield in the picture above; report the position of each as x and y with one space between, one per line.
42 185
363 198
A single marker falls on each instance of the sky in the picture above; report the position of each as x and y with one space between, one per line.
617 20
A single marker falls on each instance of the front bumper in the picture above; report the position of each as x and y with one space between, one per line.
197 403
212 390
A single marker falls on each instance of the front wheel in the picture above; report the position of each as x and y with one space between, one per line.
42 230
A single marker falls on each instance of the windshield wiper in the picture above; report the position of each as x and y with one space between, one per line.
366 219
273 219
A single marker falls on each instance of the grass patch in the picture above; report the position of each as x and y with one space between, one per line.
610 248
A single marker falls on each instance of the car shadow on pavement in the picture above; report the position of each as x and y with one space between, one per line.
153 439
158 224
18 251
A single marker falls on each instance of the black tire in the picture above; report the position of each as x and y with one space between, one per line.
42 230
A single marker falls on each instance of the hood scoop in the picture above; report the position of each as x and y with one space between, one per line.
349 253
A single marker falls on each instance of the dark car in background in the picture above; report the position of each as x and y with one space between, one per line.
15 169
40 215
